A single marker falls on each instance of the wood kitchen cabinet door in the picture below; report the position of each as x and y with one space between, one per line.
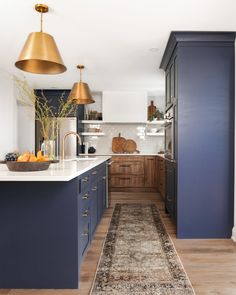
151 176
127 168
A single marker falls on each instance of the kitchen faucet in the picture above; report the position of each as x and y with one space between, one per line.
64 138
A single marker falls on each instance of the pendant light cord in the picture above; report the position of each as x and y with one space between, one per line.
41 22
80 75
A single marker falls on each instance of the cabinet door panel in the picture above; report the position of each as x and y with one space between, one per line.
84 238
151 172
172 82
170 200
167 89
94 208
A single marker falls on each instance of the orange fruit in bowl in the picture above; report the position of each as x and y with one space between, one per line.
41 158
32 158
24 158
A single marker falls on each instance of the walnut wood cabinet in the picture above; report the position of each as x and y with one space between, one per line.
137 173
150 171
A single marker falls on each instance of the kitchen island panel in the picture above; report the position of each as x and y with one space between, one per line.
39 233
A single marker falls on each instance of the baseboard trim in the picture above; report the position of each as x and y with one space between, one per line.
234 234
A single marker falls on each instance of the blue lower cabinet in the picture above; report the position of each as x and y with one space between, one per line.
93 208
84 238
84 182
91 205
102 190
52 228
170 198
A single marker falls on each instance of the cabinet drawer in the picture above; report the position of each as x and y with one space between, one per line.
84 182
128 158
94 174
84 239
127 168
84 199
127 181
84 215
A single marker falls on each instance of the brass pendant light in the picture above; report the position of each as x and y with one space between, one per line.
40 54
80 93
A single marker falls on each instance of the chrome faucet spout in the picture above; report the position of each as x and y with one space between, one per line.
64 138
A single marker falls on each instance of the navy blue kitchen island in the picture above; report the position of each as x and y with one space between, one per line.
46 226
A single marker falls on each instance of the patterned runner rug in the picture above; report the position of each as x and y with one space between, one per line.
138 257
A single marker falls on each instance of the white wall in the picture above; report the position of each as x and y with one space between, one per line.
8 122
25 128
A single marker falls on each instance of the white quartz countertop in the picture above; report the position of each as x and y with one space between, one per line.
62 171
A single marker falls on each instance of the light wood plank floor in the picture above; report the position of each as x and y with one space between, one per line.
210 264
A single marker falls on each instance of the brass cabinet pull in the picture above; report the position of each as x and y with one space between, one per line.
85 179
94 189
85 197
94 172
86 213
124 178
85 233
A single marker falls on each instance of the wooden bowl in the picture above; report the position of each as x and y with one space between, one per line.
27 166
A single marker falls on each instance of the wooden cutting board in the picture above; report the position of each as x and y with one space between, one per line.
117 144
130 146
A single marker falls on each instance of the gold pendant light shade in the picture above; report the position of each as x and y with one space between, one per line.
80 93
40 54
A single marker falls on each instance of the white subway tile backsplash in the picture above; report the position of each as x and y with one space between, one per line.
147 145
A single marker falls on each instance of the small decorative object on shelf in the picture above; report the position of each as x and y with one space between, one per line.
151 111
154 114
91 150
93 115
158 115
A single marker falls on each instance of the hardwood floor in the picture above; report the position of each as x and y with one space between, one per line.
210 264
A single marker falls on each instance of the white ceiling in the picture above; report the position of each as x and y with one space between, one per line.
111 37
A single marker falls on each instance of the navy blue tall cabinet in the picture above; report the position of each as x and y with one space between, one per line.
203 87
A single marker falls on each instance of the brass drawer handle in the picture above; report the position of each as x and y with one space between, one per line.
94 172
85 179
94 189
85 233
124 178
85 197
86 213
